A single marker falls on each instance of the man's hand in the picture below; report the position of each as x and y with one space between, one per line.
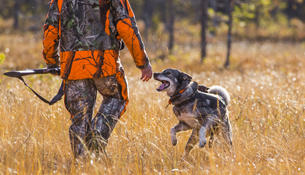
146 73
53 72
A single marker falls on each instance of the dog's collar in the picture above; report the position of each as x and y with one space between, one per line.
174 97
184 94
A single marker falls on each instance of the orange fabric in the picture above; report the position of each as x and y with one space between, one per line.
123 3
120 76
127 33
83 63
59 3
88 64
50 47
130 12
128 8
107 30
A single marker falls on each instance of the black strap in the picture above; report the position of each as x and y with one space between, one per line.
55 99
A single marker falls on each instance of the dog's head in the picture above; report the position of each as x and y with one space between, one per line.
172 81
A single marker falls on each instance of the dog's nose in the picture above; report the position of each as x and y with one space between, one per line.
155 75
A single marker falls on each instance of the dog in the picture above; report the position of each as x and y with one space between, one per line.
196 107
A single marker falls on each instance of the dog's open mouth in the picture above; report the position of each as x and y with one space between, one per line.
163 86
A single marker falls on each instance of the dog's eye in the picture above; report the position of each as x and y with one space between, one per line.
168 73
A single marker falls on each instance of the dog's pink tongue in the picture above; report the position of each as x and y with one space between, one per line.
161 87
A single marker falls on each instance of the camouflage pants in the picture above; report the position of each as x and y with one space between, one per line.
80 96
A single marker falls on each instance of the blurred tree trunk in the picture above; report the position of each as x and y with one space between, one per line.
291 10
34 5
302 11
257 16
171 25
197 11
16 12
204 20
215 21
163 11
148 9
230 5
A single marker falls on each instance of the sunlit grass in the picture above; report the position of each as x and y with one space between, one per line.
265 81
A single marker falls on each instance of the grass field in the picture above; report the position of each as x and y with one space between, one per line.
265 81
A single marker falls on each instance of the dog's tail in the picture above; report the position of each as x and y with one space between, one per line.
218 90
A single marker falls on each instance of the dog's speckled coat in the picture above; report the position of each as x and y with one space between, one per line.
205 113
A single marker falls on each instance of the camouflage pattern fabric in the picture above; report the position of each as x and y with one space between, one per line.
80 98
89 33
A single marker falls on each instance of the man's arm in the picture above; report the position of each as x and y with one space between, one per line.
51 37
128 30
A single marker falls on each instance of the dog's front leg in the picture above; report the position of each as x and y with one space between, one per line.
178 128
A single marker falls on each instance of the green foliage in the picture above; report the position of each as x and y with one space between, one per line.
2 58
258 11
6 8
26 7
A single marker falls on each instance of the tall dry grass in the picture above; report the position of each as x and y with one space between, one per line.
265 81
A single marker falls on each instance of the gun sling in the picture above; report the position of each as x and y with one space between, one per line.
56 70
55 99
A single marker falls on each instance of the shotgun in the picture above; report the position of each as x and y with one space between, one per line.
55 71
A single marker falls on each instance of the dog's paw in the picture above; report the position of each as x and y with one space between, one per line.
174 140
173 137
202 143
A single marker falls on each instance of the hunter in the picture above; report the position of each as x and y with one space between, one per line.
90 34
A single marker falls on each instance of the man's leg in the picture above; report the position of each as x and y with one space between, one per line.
111 109
80 97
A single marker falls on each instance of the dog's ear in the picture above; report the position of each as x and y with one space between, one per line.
184 76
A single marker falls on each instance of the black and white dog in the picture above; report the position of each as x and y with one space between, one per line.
204 110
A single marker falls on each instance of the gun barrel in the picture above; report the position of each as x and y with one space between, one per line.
26 72
12 74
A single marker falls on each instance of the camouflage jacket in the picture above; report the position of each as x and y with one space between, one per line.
89 33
